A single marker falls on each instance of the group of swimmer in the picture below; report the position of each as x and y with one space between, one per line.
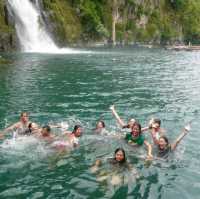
135 136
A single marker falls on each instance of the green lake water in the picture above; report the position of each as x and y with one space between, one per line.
79 88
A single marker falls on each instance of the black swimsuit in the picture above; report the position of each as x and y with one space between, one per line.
28 131
164 153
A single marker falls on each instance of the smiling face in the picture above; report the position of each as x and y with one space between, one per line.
162 143
135 130
119 156
156 125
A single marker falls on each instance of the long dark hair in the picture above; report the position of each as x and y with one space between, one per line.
103 123
165 138
122 150
75 128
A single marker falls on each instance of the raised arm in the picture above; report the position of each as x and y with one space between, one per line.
144 129
119 120
148 127
180 137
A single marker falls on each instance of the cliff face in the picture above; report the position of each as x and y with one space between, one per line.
85 21
7 31
147 21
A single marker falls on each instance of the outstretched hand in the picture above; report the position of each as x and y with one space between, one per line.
187 128
112 107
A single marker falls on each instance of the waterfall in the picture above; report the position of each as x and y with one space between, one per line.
31 30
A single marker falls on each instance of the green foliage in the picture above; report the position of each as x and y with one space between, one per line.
65 20
178 4
91 17
146 21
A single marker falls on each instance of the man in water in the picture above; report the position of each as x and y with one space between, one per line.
45 134
23 127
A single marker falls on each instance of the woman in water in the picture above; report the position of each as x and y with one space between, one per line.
155 130
118 164
136 138
101 128
164 147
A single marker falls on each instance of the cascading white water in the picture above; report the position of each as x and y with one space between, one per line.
31 32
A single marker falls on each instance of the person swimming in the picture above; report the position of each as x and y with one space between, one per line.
164 147
118 164
136 138
155 130
45 134
23 127
71 139
101 128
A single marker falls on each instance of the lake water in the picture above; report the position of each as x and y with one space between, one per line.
79 88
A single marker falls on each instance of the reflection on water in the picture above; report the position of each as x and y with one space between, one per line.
79 88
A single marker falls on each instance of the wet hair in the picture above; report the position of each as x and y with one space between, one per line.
47 127
122 150
158 121
165 138
102 122
139 126
30 125
22 113
75 128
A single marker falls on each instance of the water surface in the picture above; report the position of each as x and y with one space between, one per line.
79 88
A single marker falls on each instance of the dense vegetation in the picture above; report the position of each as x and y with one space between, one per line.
7 32
146 21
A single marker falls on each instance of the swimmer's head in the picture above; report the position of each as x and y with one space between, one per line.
156 123
46 130
24 117
120 155
100 125
163 142
77 130
136 129
130 123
